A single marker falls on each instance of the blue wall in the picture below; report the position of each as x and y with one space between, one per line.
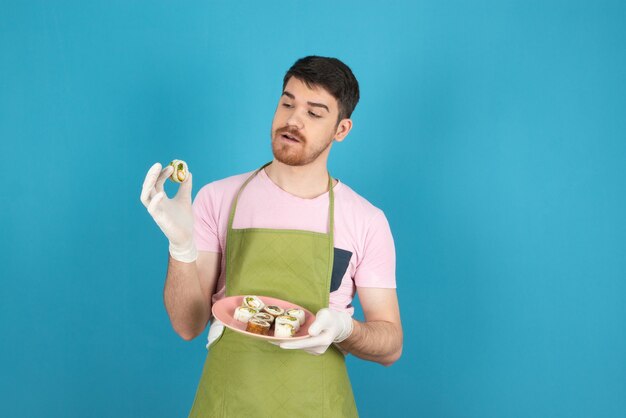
492 133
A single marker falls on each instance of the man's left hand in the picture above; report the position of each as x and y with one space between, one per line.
329 327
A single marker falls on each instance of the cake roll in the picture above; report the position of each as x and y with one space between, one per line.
253 302
291 320
265 317
180 171
274 310
298 313
243 313
258 326
284 330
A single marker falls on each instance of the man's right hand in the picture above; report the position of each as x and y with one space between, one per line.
174 216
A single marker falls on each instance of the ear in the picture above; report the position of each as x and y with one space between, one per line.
343 129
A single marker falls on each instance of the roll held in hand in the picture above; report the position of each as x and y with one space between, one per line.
181 171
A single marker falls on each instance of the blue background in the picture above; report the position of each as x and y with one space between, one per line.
492 134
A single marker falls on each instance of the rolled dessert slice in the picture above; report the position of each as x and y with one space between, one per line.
258 326
243 313
252 302
284 330
180 171
264 316
298 313
286 319
274 310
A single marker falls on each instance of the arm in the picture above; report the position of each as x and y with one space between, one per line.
191 275
379 338
188 291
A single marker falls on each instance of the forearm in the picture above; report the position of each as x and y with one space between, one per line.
185 301
378 341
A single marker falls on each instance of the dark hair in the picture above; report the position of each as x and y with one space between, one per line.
331 74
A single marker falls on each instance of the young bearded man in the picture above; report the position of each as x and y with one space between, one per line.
287 230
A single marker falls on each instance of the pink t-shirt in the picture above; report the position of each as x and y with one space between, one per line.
364 249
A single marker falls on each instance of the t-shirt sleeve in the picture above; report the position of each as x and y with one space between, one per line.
206 231
377 267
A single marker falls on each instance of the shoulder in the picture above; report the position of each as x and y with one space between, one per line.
223 188
357 205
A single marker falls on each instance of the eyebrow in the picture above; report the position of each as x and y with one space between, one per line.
313 104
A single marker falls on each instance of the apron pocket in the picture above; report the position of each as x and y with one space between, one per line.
340 266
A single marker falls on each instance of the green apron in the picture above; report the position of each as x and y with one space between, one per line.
244 376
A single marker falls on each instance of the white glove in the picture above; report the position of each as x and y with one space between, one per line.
329 327
174 216
215 330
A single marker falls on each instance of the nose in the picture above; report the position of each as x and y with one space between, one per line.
294 120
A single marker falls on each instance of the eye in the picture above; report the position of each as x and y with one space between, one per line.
286 105
315 115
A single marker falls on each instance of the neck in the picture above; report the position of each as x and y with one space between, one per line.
307 181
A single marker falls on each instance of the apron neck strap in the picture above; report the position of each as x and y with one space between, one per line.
331 198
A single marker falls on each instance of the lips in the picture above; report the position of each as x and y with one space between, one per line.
289 136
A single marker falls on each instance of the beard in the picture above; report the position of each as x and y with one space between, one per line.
296 153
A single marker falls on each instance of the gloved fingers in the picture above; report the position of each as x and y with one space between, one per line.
165 173
324 339
148 183
323 320
155 202
316 351
184 191
215 331
316 327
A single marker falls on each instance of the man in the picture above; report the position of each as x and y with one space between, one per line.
287 230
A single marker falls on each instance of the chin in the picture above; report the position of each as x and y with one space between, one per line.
288 158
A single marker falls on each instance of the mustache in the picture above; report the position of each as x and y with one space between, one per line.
291 131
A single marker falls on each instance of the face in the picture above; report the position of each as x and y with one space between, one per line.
305 124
